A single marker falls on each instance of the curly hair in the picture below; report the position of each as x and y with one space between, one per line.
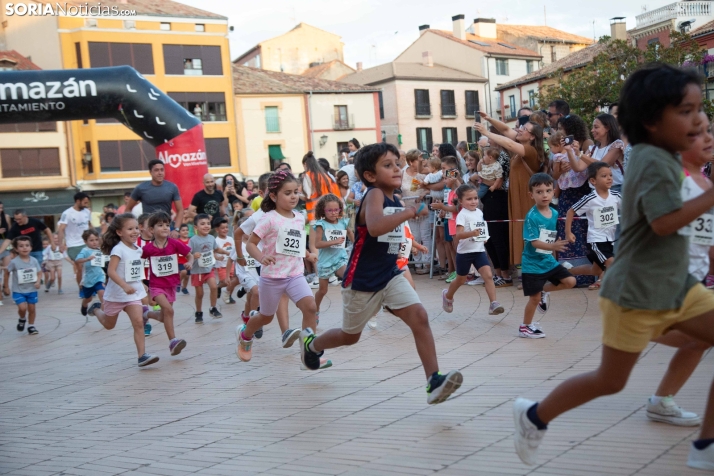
324 200
275 183
446 150
575 126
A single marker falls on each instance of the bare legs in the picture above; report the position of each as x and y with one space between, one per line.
137 323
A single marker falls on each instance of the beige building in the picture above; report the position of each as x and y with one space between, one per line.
294 52
552 44
282 116
424 103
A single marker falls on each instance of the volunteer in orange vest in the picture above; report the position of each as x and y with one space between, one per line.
315 184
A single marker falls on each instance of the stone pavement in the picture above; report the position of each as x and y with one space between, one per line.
72 400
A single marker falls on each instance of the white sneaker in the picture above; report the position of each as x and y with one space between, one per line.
332 280
667 411
527 436
701 459
315 284
479 280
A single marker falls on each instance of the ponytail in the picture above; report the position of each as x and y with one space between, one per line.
110 238
275 183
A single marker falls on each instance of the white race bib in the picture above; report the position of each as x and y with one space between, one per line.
207 260
291 242
333 235
483 231
133 270
546 236
164 265
250 262
405 249
26 276
605 217
396 235
98 259
702 231
447 215
56 255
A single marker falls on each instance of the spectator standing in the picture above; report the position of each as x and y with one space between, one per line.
158 194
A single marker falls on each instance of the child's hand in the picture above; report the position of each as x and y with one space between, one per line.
196 255
187 266
339 241
312 257
37 284
128 289
492 188
571 237
560 245
437 206
267 260
220 257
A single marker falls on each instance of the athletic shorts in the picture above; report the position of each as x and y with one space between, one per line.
113 308
534 283
88 292
198 280
464 261
222 273
360 306
52 264
181 267
599 253
170 293
248 282
73 251
270 291
20 298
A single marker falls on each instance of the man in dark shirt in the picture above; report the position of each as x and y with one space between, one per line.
209 200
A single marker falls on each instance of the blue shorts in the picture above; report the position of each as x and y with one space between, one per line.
88 292
181 267
29 298
464 261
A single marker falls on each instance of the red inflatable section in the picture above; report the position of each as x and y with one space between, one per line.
185 161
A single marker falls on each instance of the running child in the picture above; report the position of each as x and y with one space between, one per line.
182 260
282 233
372 279
25 274
247 277
647 291
204 248
124 289
472 234
92 260
234 281
52 260
226 243
144 238
162 254
541 272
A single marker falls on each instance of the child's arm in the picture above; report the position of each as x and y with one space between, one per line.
568 224
189 261
252 248
350 235
114 276
378 223
419 247
39 276
691 209
496 184
487 182
575 165
560 245
320 243
463 235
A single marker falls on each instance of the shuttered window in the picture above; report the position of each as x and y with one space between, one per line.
124 155
29 162
137 55
193 60
219 152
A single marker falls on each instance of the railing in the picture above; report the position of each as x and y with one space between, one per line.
707 70
675 10
448 109
423 109
342 123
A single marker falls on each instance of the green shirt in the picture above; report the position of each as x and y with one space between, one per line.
650 271
533 260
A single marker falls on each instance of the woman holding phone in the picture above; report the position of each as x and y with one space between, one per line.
233 191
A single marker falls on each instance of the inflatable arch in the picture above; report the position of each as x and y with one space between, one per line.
118 92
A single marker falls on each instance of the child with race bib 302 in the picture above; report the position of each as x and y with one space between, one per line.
163 253
203 246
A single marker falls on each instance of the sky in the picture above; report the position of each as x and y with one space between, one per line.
377 31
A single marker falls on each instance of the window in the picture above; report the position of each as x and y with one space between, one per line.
272 121
553 56
276 156
381 105
200 27
137 55
218 152
652 41
448 134
472 136
165 26
530 66
532 99
208 107
342 120
78 54
29 162
448 104
193 60
421 101
124 155
88 150
424 141
471 103
501 67
29 127
512 106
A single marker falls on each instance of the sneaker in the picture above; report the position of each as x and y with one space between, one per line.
701 459
229 299
497 280
156 308
315 284
244 317
451 278
504 283
440 386
423 270
666 411
199 318
176 346
147 329
479 280
244 349
184 291
178 289
324 364
709 281
333 280
215 313
310 359
372 323
258 334
83 310
473 281
148 359
290 336
21 324
47 290
59 291
446 304
531 331
527 436
495 308
241 292
219 292
544 303
32 330
93 308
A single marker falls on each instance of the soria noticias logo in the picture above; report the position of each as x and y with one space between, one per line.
65 9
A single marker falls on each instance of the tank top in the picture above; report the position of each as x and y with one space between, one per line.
370 266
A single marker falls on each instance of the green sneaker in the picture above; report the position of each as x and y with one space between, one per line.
451 277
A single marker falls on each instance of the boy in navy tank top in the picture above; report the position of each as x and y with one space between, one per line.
373 280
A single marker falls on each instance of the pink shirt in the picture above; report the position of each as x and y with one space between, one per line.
452 220
267 229
173 246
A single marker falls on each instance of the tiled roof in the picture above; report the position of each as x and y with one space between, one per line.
21 63
394 70
247 80
542 33
572 61
702 30
318 70
165 8
489 45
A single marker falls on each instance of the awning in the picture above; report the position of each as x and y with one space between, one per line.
48 202
275 152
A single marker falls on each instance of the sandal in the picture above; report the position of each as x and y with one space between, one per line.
595 286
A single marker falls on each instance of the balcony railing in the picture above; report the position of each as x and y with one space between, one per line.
423 110
675 10
707 70
448 109
342 123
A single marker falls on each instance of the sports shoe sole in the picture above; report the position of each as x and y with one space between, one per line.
520 407
672 420
453 381
292 337
531 336
178 347
495 312
150 361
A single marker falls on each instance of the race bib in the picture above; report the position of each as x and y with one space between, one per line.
27 275
547 236
483 231
605 217
701 230
164 265
291 242
98 260
133 270
405 249
396 235
250 262
333 235
447 215
56 255
207 260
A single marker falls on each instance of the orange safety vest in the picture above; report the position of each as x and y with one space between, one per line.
327 186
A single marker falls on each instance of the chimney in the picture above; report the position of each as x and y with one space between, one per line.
359 66
458 27
485 27
422 29
618 30
426 59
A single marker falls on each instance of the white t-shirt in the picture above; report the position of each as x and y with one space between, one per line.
588 206
698 254
114 292
469 220
249 225
242 272
600 152
227 244
77 222
49 255
435 178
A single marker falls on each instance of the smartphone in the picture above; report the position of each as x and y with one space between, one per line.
452 173
477 116
569 140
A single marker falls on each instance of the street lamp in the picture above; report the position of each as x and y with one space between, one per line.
323 140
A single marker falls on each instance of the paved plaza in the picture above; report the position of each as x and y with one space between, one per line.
72 400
